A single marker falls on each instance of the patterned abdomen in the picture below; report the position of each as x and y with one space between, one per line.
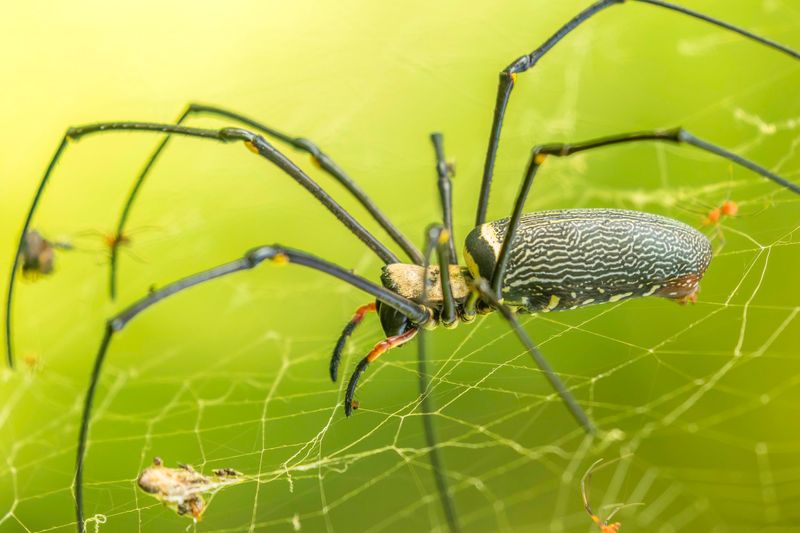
575 257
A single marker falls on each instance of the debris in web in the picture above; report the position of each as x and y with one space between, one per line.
38 254
182 488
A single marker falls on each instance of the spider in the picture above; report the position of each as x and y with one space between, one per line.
602 523
535 262
728 208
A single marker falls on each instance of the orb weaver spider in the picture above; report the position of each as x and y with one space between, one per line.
508 268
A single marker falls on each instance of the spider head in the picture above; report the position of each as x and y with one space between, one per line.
424 287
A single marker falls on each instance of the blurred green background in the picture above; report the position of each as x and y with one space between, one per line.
700 401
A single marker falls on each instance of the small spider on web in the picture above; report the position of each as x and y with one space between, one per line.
114 241
716 215
603 523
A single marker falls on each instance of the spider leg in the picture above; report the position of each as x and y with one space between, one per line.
319 157
445 186
358 316
436 239
431 436
539 155
485 291
252 141
378 350
276 254
586 484
509 75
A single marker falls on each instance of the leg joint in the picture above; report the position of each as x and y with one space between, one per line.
309 146
258 255
237 134
681 135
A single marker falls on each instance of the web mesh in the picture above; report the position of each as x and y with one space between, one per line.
695 403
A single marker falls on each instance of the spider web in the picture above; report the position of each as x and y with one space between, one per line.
696 404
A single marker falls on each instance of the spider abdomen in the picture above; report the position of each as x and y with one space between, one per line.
576 257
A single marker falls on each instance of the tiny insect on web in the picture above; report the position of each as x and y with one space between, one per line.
500 255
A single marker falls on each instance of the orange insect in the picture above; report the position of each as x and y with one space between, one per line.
715 216
110 240
729 208
115 240
33 362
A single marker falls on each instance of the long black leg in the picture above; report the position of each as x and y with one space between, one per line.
435 240
540 153
20 246
378 350
358 317
509 75
445 185
275 253
319 157
254 142
432 438
575 409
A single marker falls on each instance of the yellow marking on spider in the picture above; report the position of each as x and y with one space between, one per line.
539 158
618 297
513 77
444 236
553 303
653 289
252 147
490 237
280 259
472 266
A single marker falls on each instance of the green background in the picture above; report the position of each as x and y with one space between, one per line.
700 401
